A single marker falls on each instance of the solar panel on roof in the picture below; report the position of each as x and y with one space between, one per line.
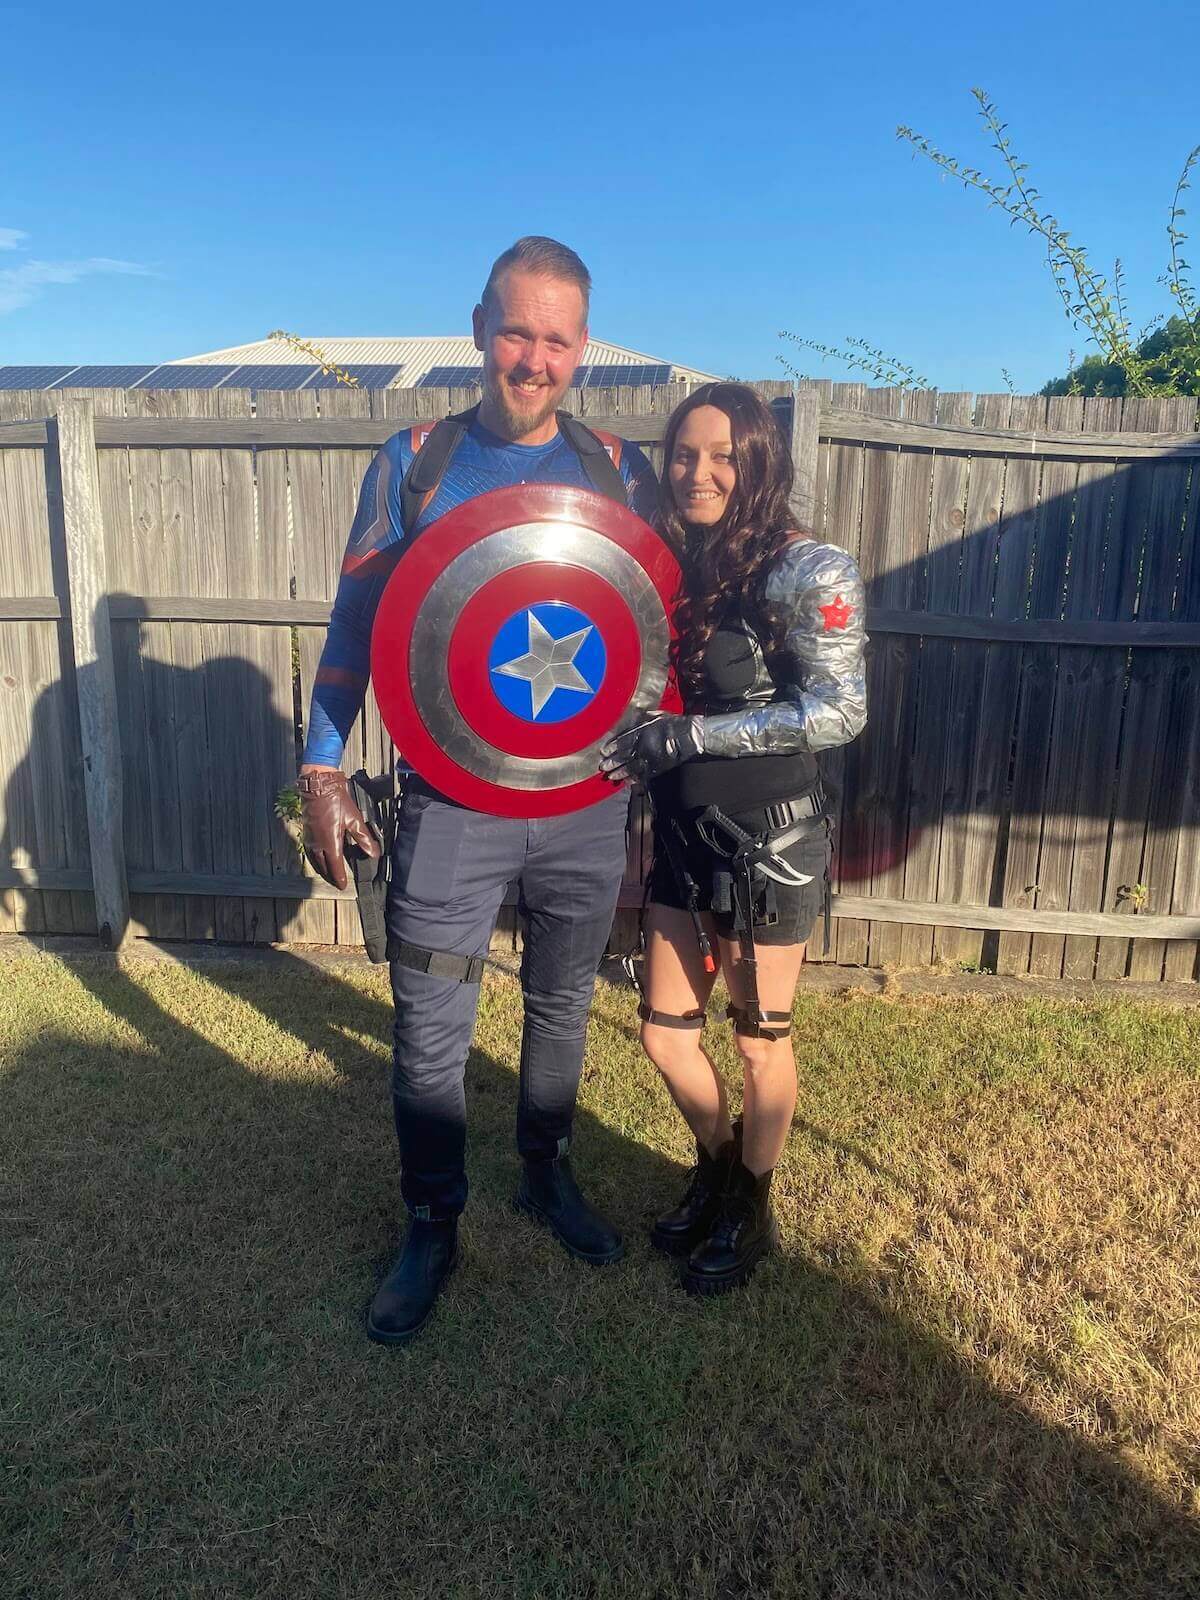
185 377
369 375
105 377
595 375
291 375
31 377
451 377
616 375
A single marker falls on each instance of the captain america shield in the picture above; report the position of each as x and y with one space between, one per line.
515 635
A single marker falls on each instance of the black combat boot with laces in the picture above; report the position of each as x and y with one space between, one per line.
681 1229
744 1231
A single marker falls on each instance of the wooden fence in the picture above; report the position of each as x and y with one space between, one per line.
1027 795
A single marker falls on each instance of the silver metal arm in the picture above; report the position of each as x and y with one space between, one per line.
818 686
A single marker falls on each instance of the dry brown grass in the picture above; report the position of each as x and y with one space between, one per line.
973 1371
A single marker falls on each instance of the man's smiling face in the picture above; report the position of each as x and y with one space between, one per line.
532 334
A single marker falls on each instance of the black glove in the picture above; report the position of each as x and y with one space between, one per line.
651 748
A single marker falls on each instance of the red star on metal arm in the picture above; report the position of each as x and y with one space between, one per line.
837 614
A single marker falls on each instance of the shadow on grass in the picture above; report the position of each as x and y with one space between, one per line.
196 1411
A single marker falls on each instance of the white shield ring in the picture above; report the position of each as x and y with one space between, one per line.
515 636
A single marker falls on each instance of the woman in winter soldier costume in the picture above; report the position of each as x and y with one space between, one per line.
769 659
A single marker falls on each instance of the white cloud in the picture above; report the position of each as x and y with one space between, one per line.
21 284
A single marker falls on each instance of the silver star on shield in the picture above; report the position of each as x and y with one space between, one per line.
549 663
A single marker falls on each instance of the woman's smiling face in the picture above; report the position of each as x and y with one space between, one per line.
701 470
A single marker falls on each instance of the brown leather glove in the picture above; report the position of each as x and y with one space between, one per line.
330 817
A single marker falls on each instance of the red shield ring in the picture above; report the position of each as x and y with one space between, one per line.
517 634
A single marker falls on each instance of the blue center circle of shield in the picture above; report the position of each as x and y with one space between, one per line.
547 662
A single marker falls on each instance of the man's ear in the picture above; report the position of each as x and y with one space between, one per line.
477 321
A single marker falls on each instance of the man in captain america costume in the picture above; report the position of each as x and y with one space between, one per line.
451 865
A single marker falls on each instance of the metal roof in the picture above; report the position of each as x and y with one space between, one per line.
416 356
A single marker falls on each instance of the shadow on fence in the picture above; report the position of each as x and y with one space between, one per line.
204 753
1006 773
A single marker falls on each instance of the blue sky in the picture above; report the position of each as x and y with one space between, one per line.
175 184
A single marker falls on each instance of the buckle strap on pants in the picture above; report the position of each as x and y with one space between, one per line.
438 963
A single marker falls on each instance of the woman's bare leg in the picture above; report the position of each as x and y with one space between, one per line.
768 1064
676 983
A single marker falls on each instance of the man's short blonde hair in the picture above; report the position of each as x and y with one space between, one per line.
536 253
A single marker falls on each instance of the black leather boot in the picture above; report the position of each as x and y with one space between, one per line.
744 1231
406 1297
678 1232
548 1193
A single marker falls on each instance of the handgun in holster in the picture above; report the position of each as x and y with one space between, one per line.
378 800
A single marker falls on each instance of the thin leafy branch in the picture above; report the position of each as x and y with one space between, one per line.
1164 358
307 347
863 357
1177 281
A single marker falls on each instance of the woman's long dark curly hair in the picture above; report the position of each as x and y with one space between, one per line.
725 566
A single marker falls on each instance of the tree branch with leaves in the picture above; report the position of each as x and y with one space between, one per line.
1162 359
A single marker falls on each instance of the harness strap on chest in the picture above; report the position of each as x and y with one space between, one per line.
432 452
434 448
600 460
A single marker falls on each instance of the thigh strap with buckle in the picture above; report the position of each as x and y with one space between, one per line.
670 1019
752 1022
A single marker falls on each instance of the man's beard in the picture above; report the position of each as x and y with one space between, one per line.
519 423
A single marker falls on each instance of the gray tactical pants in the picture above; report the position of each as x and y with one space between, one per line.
450 869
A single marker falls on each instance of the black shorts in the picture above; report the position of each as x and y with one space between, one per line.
783 914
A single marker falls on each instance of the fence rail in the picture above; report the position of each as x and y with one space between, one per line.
834 423
1027 795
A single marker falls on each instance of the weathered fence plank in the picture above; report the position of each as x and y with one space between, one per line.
314 578
1104 672
1183 962
92 638
899 582
946 522
806 444
1158 599
968 821
1048 582
849 941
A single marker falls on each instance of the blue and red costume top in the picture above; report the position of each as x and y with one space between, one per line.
482 461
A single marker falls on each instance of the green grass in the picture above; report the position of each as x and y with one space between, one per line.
973 1371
